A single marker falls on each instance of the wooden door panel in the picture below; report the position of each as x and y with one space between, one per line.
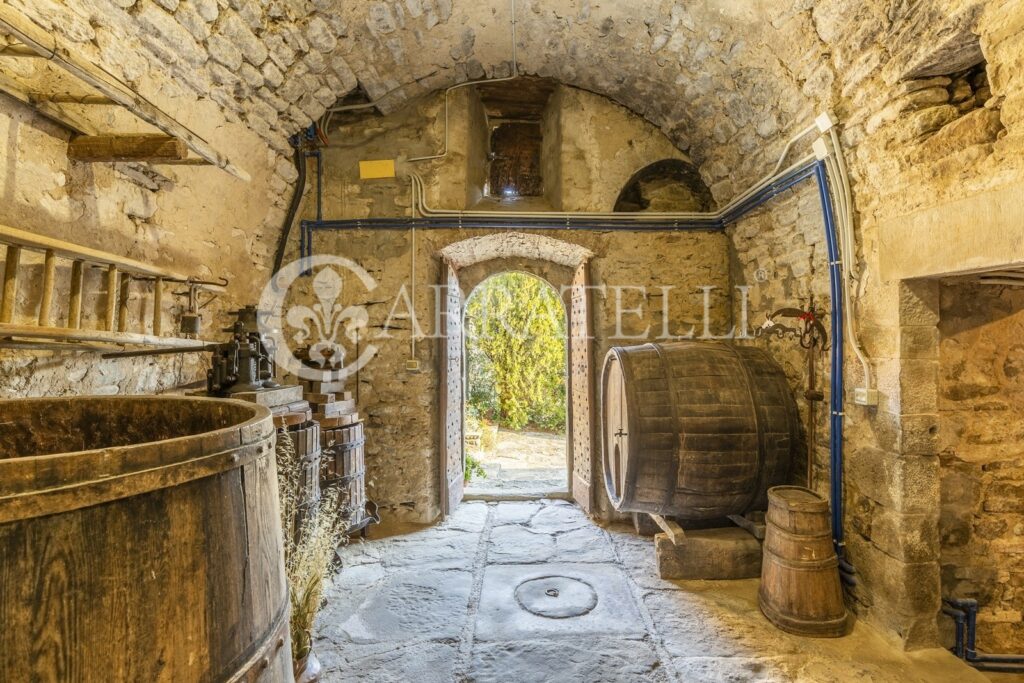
581 389
452 465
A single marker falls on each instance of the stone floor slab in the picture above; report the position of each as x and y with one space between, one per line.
586 544
515 512
516 544
501 617
405 605
418 662
577 660
557 518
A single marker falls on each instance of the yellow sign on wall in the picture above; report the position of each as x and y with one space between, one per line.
377 168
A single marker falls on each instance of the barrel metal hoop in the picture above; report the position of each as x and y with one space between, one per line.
802 565
345 479
272 640
755 408
670 492
345 447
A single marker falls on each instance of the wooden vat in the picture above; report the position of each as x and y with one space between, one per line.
140 541
800 590
345 469
306 437
695 430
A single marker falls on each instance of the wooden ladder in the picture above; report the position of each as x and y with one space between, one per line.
120 272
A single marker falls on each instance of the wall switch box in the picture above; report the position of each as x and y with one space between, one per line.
412 365
865 397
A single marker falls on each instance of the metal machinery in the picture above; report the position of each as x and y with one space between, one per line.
246 362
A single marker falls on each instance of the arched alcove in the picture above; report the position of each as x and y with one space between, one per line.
666 185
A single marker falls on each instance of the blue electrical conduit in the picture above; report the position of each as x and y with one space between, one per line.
835 446
965 613
627 223
814 169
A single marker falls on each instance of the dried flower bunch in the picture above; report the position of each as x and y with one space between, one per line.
309 550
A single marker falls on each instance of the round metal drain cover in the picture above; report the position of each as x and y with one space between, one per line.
556 597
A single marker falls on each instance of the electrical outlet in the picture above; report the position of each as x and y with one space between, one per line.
412 365
865 397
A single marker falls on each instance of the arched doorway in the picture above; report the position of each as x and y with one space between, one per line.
566 267
516 370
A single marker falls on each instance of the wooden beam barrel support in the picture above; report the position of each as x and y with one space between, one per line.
11 263
46 300
674 532
158 304
156 148
111 298
45 43
122 304
75 304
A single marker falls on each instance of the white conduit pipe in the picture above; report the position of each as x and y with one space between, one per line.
834 166
423 209
515 74
792 141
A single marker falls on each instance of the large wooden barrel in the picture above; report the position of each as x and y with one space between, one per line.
800 590
140 541
696 430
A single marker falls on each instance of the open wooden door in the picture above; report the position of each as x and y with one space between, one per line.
452 465
581 389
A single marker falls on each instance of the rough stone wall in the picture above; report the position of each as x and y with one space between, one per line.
920 127
981 408
728 83
600 151
178 219
401 406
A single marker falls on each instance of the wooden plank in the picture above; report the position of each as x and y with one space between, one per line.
58 115
29 240
111 309
75 304
72 334
19 51
122 303
158 306
46 300
11 262
47 44
69 98
102 148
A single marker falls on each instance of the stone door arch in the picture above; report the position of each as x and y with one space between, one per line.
566 267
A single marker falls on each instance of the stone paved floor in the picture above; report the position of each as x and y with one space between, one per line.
522 463
463 601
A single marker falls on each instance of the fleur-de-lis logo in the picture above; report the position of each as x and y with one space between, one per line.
327 316
321 325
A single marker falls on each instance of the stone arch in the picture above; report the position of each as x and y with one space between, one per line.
514 245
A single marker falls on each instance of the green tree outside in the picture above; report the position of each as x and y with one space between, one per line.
515 352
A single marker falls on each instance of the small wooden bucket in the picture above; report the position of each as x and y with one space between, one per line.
800 590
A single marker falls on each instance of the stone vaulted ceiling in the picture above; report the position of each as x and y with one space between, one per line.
727 80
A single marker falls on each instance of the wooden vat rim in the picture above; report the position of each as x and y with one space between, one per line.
37 485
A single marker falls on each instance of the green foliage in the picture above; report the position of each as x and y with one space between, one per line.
474 468
515 350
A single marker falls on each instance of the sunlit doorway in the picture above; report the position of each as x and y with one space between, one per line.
516 368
